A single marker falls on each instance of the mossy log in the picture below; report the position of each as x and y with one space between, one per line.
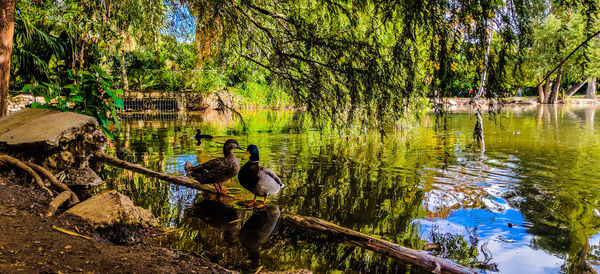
404 254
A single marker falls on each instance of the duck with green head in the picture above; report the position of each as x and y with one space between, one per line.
219 170
261 181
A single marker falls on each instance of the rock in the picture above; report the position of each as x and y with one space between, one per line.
452 102
58 141
111 208
41 128
82 177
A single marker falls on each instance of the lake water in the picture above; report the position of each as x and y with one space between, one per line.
529 204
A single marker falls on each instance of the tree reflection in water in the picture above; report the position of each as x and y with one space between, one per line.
536 188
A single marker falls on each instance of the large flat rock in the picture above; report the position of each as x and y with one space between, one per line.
111 208
41 127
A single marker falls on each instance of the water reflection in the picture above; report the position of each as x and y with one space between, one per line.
257 229
216 214
530 205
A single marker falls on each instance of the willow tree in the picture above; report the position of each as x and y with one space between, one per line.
7 24
371 62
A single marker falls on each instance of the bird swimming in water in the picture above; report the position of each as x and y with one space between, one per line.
217 171
199 136
261 181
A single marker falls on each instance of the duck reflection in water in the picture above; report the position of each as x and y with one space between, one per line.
217 215
257 229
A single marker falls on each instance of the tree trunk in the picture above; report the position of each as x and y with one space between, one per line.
555 87
198 47
540 92
546 91
591 89
124 72
7 28
485 66
576 87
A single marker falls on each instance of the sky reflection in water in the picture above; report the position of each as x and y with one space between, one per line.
528 204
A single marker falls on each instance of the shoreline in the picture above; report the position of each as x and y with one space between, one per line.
31 243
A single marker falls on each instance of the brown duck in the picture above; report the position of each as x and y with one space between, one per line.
216 171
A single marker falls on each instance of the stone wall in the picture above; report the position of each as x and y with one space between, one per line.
19 102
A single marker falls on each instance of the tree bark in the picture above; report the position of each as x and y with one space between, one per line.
555 87
591 89
576 87
7 28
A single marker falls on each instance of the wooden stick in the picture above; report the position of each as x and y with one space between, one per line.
178 180
54 182
57 202
404 254
5 159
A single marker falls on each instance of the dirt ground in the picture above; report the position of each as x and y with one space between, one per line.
29 243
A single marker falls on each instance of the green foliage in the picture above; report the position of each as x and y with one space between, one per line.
370 63
91 93
35 52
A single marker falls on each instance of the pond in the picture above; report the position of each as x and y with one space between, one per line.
529 204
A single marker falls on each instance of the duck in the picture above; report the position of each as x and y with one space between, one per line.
217 171
261 181
199 136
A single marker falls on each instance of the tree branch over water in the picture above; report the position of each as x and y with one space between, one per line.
370 62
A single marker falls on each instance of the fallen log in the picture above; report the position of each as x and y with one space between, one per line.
5 159
178 180
404 254
57 202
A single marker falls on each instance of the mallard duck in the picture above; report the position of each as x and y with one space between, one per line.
216 171
199 136
261 181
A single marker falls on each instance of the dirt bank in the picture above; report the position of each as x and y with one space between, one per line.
29 243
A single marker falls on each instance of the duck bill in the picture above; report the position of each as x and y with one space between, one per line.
246 156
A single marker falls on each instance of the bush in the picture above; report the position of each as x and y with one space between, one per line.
91 93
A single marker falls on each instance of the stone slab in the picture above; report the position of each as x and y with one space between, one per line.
40 127
111 208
